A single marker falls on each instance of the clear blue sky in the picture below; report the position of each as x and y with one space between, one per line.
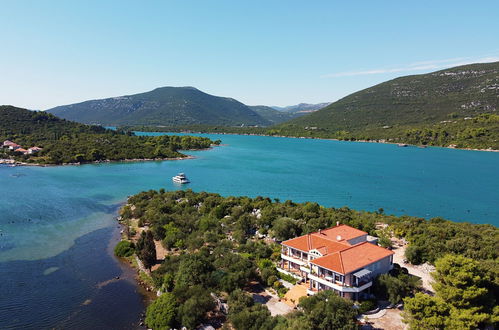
259 52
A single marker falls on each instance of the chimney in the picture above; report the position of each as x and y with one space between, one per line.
338 238
337 223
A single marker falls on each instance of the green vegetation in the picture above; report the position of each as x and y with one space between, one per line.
432 239
213 248
465 297
124 249
161 313
146 250
327 310
367 305
274 116
67 142
410 109
451 107
396 285
480 132
216 129
162 106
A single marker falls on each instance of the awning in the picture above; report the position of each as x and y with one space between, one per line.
361 273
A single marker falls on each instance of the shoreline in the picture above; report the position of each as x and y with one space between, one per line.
14 163
107 161
331 139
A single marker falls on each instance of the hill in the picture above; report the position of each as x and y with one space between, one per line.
169 106
459 92
274 116
302 107
62 141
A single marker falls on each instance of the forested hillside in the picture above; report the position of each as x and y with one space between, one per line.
459 92
168 106
63 141
452 106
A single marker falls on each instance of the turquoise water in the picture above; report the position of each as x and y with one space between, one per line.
56 222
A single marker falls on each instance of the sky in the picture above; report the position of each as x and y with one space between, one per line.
58 52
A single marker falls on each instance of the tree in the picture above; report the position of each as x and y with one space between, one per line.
124 249
414 254
192 311
162 312
425 312
396 287
256 317
146 249
464 297
285 228
460 282
193 269
327 310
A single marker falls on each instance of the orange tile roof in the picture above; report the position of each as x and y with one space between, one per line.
353 258
343 231
312 241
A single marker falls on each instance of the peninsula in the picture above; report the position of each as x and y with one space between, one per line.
217 260
36 137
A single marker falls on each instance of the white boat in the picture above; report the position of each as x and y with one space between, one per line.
180 178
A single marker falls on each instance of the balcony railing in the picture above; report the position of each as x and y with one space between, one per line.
298 261
330 278
293 255
339 286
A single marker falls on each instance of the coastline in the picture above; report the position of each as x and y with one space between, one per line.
331 139
15 163
130 273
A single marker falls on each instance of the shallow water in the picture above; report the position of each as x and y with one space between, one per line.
56 222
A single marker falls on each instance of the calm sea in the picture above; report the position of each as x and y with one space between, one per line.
57 227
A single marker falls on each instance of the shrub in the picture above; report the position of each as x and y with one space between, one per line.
288 278
124 249
367 305
271 280
162 312
414 254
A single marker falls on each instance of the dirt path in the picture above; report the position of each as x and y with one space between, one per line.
423 271
262 296
392 320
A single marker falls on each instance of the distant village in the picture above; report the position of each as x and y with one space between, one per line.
17 148
12 146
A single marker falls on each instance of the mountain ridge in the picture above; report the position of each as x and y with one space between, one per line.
458 92
302 107
162 106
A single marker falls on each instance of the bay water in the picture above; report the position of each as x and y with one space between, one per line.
57 225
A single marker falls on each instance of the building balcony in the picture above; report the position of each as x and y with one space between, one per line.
327 281
291 272
305 269
311 292
298 261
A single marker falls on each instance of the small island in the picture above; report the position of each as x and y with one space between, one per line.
40 138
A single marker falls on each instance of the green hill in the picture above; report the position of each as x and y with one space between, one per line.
456 106
168 106
275 116
302 107
63 141
464 91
